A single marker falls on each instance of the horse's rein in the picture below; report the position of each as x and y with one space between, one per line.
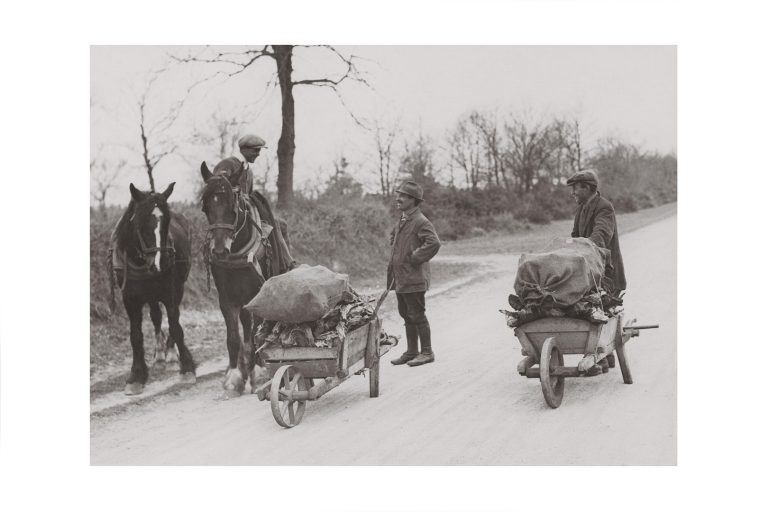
240 212
146 251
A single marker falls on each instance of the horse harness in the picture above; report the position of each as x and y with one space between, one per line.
143 272
258 242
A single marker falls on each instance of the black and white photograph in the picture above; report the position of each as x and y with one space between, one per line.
383 255
422 255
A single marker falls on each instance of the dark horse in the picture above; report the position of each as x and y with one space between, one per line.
151 261
243 250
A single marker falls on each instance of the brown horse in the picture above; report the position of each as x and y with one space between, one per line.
151 261
243 250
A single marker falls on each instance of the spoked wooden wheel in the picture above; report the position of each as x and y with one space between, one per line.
552 387
373 379
287 412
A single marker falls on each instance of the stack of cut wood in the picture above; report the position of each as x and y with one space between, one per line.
596 307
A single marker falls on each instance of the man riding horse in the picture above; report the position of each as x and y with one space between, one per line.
245 247
250 148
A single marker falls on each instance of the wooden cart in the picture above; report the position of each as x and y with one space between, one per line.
293 371
546 340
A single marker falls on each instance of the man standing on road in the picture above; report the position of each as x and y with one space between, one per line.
414 242
596 220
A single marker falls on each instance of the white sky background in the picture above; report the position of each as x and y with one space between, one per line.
629 92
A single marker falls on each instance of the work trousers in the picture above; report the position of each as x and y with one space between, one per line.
411 307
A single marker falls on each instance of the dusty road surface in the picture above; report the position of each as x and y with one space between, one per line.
470 407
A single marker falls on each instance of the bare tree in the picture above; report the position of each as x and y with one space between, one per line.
260 182
528 151
417 162
385 140
224 135
156 143
282 56
103 177
466 150
568 155
488 127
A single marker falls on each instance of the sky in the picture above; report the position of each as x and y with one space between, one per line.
627 92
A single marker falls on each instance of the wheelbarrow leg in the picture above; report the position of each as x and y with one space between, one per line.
623 362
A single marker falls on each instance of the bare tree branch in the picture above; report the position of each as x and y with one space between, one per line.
223 58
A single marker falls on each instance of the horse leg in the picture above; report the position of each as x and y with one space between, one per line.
186 362
139 372
246 347
156 314
258 374
233 381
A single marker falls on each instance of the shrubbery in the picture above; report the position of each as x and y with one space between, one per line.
347 231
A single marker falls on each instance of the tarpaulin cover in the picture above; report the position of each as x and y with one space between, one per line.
303 294
564 273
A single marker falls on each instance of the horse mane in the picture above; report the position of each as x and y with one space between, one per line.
122 229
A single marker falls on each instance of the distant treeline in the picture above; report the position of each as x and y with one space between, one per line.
343 228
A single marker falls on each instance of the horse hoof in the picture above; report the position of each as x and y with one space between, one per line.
159 364
134 388
258 377
232 393
187 378
234 381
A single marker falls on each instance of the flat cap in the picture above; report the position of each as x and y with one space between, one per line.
588 177
411 188
251 141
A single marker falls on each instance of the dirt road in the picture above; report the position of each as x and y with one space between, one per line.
470 407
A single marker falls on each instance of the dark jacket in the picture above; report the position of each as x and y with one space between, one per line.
596 220
413 245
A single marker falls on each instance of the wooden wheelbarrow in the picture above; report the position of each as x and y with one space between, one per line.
545 341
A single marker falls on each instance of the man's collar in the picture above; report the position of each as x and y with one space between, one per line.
591 198
408 213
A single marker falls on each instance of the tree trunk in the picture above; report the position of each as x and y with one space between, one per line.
286 146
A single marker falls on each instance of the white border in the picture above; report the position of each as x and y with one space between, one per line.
44 430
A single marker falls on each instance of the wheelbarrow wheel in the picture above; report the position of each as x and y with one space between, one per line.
552 387
287 412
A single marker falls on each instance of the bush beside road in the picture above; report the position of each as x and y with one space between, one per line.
359 246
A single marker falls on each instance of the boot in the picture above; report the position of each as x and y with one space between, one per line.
412 336
426 355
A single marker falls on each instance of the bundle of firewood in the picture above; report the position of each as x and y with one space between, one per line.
596 307
328 331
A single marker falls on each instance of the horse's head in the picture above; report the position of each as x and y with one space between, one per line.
221 203
149 227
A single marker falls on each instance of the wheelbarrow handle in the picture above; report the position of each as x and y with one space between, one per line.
634 327
383 296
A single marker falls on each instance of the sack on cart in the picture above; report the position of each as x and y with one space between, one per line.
304 294
563 274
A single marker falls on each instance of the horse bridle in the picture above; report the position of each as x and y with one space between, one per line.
148 251
239 209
